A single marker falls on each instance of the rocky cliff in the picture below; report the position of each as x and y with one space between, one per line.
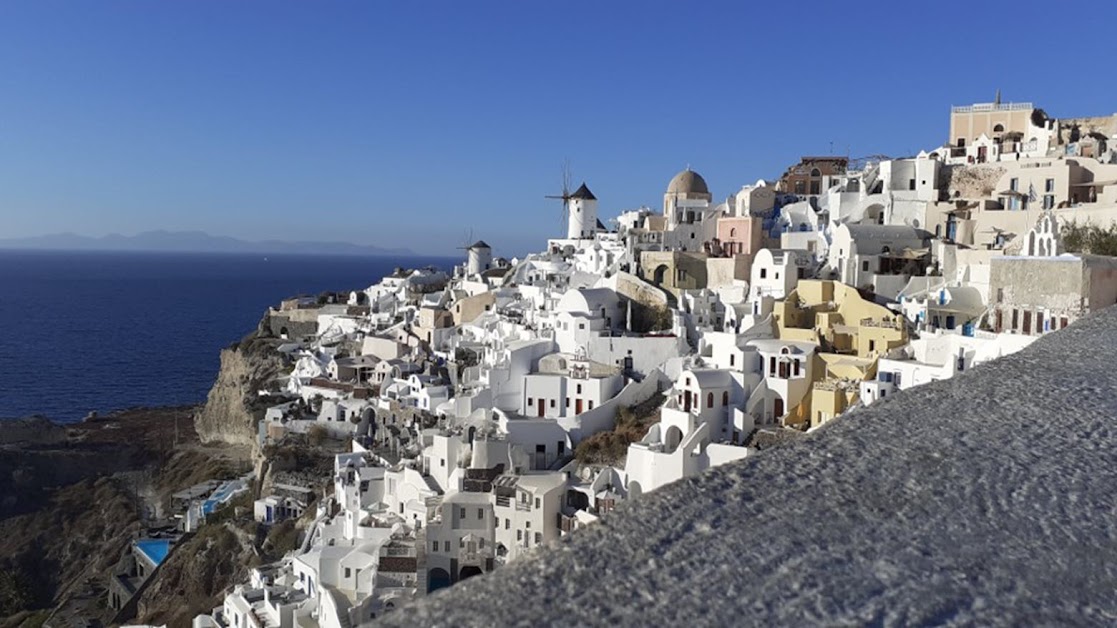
232 408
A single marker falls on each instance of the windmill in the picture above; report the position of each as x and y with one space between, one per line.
479 255
566 192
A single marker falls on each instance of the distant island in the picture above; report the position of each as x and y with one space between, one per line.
191 242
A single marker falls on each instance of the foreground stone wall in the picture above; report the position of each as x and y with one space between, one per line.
988 499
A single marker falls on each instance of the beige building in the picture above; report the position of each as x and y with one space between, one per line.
993 120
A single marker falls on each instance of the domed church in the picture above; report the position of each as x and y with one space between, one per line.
688 185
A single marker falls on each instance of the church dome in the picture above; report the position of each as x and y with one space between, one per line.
688 182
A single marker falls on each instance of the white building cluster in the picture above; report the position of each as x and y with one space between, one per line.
467 394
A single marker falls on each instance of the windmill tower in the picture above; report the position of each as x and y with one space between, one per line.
579 209
479 255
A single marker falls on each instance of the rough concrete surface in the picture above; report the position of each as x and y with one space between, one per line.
989 499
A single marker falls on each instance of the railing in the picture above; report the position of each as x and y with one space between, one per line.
1010 106
885 324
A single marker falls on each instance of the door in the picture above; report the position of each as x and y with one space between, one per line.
578 406
778 413
542 407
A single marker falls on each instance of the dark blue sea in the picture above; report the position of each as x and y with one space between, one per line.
106 331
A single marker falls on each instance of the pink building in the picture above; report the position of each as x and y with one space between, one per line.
740 235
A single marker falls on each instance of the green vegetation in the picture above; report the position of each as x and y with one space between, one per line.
631 425
15 592
650 318
317 435
1089 238
282 538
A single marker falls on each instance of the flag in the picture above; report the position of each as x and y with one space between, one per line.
1031 193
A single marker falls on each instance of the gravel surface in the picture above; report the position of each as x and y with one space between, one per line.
989 499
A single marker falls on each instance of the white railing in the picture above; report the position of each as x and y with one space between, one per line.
1009 106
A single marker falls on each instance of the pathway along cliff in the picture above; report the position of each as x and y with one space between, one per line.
72 497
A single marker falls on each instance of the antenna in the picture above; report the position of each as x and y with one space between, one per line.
566 178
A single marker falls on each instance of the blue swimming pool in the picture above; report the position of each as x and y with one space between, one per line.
155 549
220 496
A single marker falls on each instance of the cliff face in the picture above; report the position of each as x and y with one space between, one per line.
232 408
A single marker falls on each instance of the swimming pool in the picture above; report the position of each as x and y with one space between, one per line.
155 550
221 495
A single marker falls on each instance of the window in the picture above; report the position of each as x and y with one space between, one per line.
725 398
537 502
865 266
1014 319
507 524
461 513
763 273
578 389
530 401
796 370
552 403
1013 184
527 525
709 400
446 546
481 514
443 461
538 537
1049 185
568 402
872 345
772 365
777 274
581 325
519 535
732 359
911 184
1048 201
347 572
591 404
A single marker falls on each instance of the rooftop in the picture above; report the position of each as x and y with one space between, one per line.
986 499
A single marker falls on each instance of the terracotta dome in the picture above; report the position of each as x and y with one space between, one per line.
688 182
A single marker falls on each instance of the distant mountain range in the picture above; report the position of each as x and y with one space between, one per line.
191 242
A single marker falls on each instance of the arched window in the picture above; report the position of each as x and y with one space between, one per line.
725 398
816 172
709 400
733 232
999 128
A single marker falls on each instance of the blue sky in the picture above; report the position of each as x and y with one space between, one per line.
410 123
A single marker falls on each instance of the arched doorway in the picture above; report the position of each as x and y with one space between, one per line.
634 490
659 275
777 412
437 578
673 437
469 571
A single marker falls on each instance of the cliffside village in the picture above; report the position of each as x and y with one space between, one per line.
735 322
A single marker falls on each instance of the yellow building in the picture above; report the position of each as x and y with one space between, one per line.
838 319
852 334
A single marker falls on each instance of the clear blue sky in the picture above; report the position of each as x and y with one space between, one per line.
409 123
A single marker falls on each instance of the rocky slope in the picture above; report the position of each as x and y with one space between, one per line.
232 408
71 506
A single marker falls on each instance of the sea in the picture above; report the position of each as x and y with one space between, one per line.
104 331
